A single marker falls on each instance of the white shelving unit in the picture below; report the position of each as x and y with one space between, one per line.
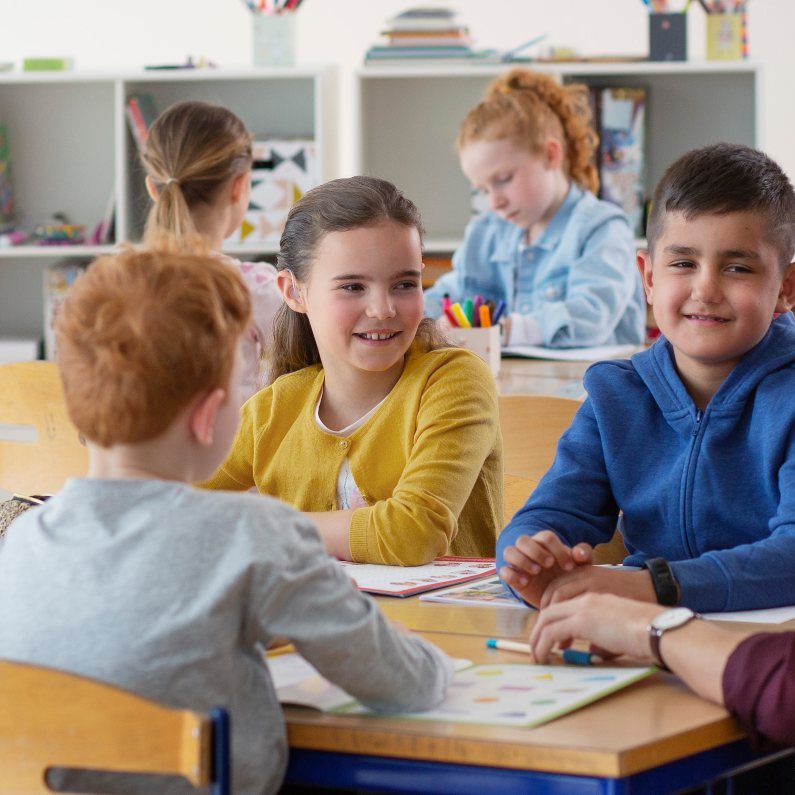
70 147
408 117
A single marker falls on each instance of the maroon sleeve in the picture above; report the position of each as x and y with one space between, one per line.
759 687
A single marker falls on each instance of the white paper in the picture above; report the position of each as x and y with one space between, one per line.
572 354
770 615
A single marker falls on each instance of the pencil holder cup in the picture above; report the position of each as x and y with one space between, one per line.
668 37
485 342
724 37
274 39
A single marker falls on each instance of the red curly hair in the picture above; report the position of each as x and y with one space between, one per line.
529 107
141 334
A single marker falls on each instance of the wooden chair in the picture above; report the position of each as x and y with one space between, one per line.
39 446
516 490
531 426
50 718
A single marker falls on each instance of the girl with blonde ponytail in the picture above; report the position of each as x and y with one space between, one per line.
198 159
562 260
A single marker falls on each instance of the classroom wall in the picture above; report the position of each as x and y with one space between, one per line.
109 34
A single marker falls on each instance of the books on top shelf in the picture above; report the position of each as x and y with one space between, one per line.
424 32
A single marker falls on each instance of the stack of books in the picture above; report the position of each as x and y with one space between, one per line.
425 32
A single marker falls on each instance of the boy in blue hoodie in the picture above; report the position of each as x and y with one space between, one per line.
693 440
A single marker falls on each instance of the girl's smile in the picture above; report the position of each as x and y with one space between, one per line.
364 301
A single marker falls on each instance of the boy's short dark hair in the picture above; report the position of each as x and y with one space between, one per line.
726 178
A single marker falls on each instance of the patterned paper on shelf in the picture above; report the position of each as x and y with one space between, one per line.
284 169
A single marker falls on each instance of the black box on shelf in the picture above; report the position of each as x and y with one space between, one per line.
668 37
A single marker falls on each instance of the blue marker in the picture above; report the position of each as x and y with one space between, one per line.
495 318
569 656
577 657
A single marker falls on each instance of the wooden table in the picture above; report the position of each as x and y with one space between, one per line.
653 737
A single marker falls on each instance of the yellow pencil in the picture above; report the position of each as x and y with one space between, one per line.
286 648
460 315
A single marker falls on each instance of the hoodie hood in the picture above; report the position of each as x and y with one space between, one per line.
657 370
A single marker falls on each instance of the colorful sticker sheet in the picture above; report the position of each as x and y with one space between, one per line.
509 694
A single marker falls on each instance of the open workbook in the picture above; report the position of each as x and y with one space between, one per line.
512 694
409 580
489 592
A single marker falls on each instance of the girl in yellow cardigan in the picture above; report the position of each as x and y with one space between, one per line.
386 436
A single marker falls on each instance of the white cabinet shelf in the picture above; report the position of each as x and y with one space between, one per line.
70 147
408 117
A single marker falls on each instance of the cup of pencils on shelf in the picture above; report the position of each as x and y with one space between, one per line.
273 31
727 29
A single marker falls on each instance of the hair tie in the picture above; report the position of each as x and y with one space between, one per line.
172 179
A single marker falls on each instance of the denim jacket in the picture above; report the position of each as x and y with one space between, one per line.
578 281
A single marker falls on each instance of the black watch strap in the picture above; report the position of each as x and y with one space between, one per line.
662 578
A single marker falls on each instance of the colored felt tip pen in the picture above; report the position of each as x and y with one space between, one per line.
446 302
495 318
460 316
468 311
476 310
448 313
570 656
485 316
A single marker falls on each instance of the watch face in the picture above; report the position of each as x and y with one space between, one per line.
672 618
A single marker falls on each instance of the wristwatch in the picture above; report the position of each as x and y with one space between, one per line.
665 585
669 619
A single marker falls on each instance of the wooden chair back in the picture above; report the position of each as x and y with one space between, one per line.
516 490
50 718
531 426
39 446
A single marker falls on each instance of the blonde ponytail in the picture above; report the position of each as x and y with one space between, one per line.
193 148
529 107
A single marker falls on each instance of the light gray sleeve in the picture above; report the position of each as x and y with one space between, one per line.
307 597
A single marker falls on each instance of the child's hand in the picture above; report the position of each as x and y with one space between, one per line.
537 561
595 579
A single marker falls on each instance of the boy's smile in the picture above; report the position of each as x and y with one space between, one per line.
715 283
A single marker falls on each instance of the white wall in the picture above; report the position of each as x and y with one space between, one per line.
109 34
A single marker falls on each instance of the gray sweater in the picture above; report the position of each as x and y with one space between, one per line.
172 592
